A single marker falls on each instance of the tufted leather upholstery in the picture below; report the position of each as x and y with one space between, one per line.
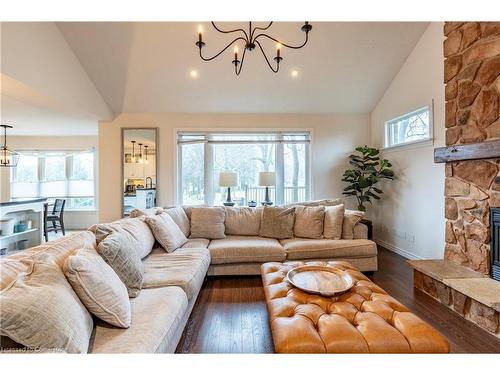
363 320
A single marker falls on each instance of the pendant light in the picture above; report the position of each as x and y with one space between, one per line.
146 154
8 158
140 153
133 152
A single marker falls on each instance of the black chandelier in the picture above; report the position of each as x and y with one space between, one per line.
251 41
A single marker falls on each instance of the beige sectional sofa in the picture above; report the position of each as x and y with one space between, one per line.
173 280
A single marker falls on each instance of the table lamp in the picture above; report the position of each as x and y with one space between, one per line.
267 179
228 179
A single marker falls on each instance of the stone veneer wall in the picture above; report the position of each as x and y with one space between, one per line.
472 78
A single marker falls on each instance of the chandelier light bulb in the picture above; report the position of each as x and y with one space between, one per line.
236 49
200 29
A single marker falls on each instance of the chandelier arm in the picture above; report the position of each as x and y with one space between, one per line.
260 28
236 70
267 60
218 54
283 44
229 31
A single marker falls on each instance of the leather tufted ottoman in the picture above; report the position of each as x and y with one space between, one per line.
363 320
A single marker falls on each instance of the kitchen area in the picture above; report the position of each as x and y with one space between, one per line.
139 168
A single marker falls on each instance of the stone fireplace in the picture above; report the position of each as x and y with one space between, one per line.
462 280
472 78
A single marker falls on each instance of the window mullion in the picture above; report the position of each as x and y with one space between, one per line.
209 173
280 170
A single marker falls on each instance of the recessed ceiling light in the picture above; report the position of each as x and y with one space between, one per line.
193 73
294 73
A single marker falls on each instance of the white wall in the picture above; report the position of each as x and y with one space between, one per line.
36 54
410 218
72 219
334 137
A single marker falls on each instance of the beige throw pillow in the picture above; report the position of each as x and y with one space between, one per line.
334 217
98 287
243 221
137 212
40 310
166 232
207 222
351 218
277 222
309 221
118 251
136 227
178 215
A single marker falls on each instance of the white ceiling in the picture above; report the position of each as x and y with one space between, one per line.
144 67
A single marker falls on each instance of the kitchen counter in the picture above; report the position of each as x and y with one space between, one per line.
19 201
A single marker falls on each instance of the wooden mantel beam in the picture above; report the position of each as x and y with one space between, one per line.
471 151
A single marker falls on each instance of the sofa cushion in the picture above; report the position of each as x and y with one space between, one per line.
185 268
137 228
196 243
309 221
334 217
207 222
302 248
98 287
117 250
243 221
156 316
166 232
180 218
40 310
277 222
245 249
351 218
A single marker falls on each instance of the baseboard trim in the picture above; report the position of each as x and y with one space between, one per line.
397 250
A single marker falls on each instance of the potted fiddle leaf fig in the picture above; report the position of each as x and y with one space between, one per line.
367 170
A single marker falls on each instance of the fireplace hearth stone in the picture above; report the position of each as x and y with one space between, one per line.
471 294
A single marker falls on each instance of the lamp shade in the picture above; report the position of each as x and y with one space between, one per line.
267 178
228 179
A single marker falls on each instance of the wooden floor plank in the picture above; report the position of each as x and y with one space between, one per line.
230 315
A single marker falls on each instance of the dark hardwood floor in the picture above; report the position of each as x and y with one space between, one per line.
230 315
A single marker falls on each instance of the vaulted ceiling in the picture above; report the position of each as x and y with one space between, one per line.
145 67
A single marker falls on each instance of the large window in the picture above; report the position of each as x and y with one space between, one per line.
410 128
202 156
52 174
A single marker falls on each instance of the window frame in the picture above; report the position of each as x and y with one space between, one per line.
411 144
209 182
68 166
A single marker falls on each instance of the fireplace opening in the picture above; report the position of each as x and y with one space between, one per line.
495 243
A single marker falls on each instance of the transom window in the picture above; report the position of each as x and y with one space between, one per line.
202 156
55 174
410 128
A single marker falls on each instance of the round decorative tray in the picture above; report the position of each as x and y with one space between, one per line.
323 280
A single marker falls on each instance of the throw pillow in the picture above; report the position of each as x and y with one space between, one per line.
118 251
98 287
207 222
334 217
309 221
351 218
136 227
243 221
137 212
178 215
277 222
166 232
40 310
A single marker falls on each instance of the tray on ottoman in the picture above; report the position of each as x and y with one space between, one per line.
364 319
